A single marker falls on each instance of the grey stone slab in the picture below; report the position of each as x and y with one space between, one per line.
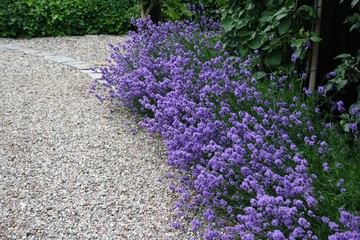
30 51
79 65
87 71
60 59
95 75
44 54
74 62
11 46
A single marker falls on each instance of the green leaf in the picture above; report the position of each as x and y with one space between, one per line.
259 75
354 26
298 43
354 2
250 5
281 16
244 33
54 17
258 41
227 23
315 39
274 58
328 87
284 26
283 12
309 10
268 28
340 83
265 19
242 23
343 56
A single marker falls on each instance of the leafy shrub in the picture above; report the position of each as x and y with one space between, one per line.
39 18
251 155
279 29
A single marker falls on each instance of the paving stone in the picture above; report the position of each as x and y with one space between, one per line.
79 65
60 59
30 51
11 46
88 71
95 75
43 54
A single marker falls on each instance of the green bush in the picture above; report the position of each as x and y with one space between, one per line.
41 18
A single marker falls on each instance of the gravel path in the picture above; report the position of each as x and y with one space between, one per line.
69 169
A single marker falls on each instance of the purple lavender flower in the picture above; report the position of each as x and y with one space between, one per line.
276 235
307 91
354 128
195 225
176 225
218 46
330 75
326 167
304 76
294 58
355 111
209 214
341 181
235 147
321 91
303 223
340 106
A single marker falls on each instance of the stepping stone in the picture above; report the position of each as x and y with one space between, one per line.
78 64
88 71
95 75
30 51
43 54
11 46
60 59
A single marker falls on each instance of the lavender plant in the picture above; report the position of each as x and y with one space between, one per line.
247 152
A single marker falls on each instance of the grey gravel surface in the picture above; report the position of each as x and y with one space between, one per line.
90 48
70 169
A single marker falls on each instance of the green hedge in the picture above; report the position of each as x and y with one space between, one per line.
40 18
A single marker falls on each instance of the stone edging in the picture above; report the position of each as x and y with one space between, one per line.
72 62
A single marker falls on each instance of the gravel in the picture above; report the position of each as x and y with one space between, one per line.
93 49
70 169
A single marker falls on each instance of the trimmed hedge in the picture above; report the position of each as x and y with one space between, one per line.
42 18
